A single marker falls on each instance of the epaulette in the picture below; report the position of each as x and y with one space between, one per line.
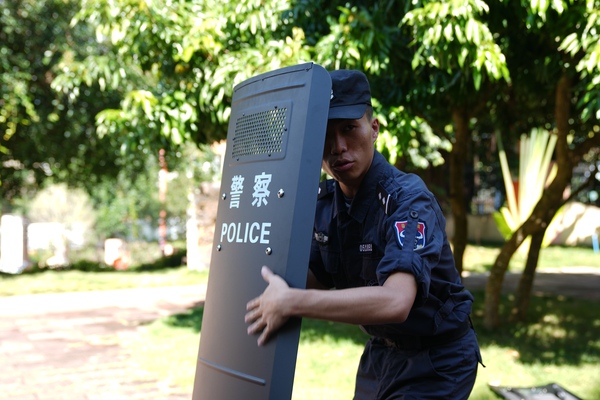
325 188
385 200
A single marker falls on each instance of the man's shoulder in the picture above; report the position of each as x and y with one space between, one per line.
396 181
398 187
326 189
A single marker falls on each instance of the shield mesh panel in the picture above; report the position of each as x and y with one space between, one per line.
260 133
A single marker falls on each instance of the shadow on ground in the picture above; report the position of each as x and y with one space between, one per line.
559 330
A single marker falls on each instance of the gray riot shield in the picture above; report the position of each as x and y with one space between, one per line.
265 217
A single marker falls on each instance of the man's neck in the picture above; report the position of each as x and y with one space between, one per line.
349 192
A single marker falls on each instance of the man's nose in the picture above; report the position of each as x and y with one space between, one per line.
337 143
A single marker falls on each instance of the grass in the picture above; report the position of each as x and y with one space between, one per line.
156 271
78 281
481 258
560 343
152 270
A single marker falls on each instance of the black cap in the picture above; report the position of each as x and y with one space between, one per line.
350 94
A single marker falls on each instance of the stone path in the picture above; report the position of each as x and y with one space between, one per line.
583 282
68 346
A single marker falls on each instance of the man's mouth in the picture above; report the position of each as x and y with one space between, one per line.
342 165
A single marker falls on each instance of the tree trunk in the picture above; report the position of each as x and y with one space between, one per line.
523 293
162 197
458 201
540 218
546 208
495 281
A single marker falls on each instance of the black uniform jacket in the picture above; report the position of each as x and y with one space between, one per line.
394 223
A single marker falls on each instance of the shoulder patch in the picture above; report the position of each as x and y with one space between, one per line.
400 227
384 198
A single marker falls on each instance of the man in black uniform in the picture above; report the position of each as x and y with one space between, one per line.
380 241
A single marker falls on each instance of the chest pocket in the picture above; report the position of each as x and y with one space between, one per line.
331 259
369 268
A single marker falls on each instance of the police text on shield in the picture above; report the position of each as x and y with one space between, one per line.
249 232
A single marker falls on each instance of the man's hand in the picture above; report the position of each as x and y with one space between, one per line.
267 313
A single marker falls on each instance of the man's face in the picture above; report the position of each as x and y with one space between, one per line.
348 152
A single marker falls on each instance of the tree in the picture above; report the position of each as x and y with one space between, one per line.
430 65
460 79
181 60
448 68
560 78
176 63
44 135
207 70
126 203
458 49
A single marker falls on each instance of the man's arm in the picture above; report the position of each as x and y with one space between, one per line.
390 303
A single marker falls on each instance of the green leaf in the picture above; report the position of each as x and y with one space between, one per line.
570 44
502 225
354 53
448 32
477 79
187 54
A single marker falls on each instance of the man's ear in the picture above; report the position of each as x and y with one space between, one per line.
375 129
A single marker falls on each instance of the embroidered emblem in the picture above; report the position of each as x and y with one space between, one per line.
419 236
365 248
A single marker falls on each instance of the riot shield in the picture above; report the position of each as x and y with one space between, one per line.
265 217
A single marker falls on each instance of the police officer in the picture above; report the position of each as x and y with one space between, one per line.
380 241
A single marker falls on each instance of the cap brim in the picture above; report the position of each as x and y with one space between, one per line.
355 111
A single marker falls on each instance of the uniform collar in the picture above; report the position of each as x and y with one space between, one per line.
365 197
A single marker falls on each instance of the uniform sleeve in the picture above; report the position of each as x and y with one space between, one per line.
414 240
